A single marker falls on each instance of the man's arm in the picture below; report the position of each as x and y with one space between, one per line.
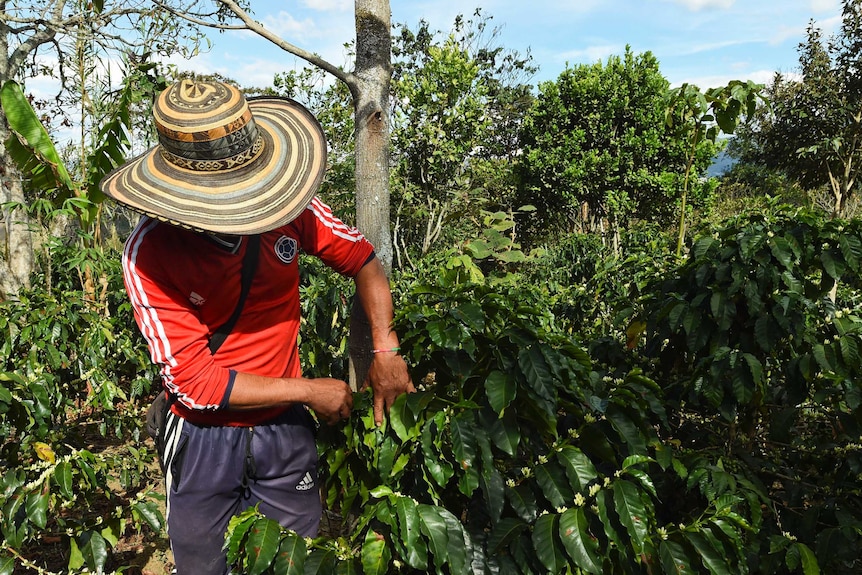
331 399
388 375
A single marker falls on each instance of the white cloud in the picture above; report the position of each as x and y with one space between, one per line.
824 5
590 54
287 26
328 5
697 5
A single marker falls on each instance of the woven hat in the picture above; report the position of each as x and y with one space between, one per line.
224 164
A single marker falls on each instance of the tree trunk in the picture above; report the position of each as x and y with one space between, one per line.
371 117
16 254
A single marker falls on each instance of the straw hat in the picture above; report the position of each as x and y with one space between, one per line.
224 164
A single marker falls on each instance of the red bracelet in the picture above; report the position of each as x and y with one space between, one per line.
385 350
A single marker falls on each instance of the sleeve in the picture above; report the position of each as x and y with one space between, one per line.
175 335
341 247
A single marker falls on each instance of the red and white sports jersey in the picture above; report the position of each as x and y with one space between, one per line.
183 287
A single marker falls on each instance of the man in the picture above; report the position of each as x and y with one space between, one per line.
226 172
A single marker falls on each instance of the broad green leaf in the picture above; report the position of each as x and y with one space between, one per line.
320 562
94 550
581 546
409 532
503 533
76 558
375 554
608 524
535 369
463 432
627 429
782 251
345 567
851 248
22 119
492 488
505 434
7 565
457 549
674 559
290 559
635 460
151 513
386 452
756 369
434 528
401 419
712 558
237 529
37 509
555 486
501 390
809 560
547 543
471 314
262 545
523 501
850 351
832 266
644 479
578 466
439 469
631 511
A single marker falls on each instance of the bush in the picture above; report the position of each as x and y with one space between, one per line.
757 340
516 455
71 372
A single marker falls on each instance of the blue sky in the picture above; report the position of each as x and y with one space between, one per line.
705 42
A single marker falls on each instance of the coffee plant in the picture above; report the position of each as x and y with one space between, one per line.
71 466
757 340
517 454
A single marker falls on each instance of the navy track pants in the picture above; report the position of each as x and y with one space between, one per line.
212 473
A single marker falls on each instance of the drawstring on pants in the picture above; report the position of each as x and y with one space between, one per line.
249 472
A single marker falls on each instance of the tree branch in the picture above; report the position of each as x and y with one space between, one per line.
260 30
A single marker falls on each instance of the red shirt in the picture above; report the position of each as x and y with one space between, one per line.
183 286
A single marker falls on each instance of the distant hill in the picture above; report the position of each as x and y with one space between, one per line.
720 165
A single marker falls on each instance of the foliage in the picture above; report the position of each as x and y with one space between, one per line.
71 374
326 299
813 131
762 369
700 118
456 103
38 160
518 454
596 149
332 106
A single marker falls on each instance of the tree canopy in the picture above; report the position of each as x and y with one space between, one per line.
596 147
813 130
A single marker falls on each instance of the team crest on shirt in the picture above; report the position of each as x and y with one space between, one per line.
285 249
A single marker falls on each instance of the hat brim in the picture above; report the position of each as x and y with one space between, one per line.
261 195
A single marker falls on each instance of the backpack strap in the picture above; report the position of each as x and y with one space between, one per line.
249 267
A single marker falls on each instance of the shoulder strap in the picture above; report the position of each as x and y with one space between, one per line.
249 266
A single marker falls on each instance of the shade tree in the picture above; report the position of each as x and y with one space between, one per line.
597 151
813 130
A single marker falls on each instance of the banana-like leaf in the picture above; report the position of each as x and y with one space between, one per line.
30 146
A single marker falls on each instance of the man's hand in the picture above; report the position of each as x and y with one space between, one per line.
389 378
331 399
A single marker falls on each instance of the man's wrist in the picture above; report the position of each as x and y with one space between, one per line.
395 349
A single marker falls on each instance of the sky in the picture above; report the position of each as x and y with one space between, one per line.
704 42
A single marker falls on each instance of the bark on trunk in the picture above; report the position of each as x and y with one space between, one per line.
16 259
371 114
16 251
